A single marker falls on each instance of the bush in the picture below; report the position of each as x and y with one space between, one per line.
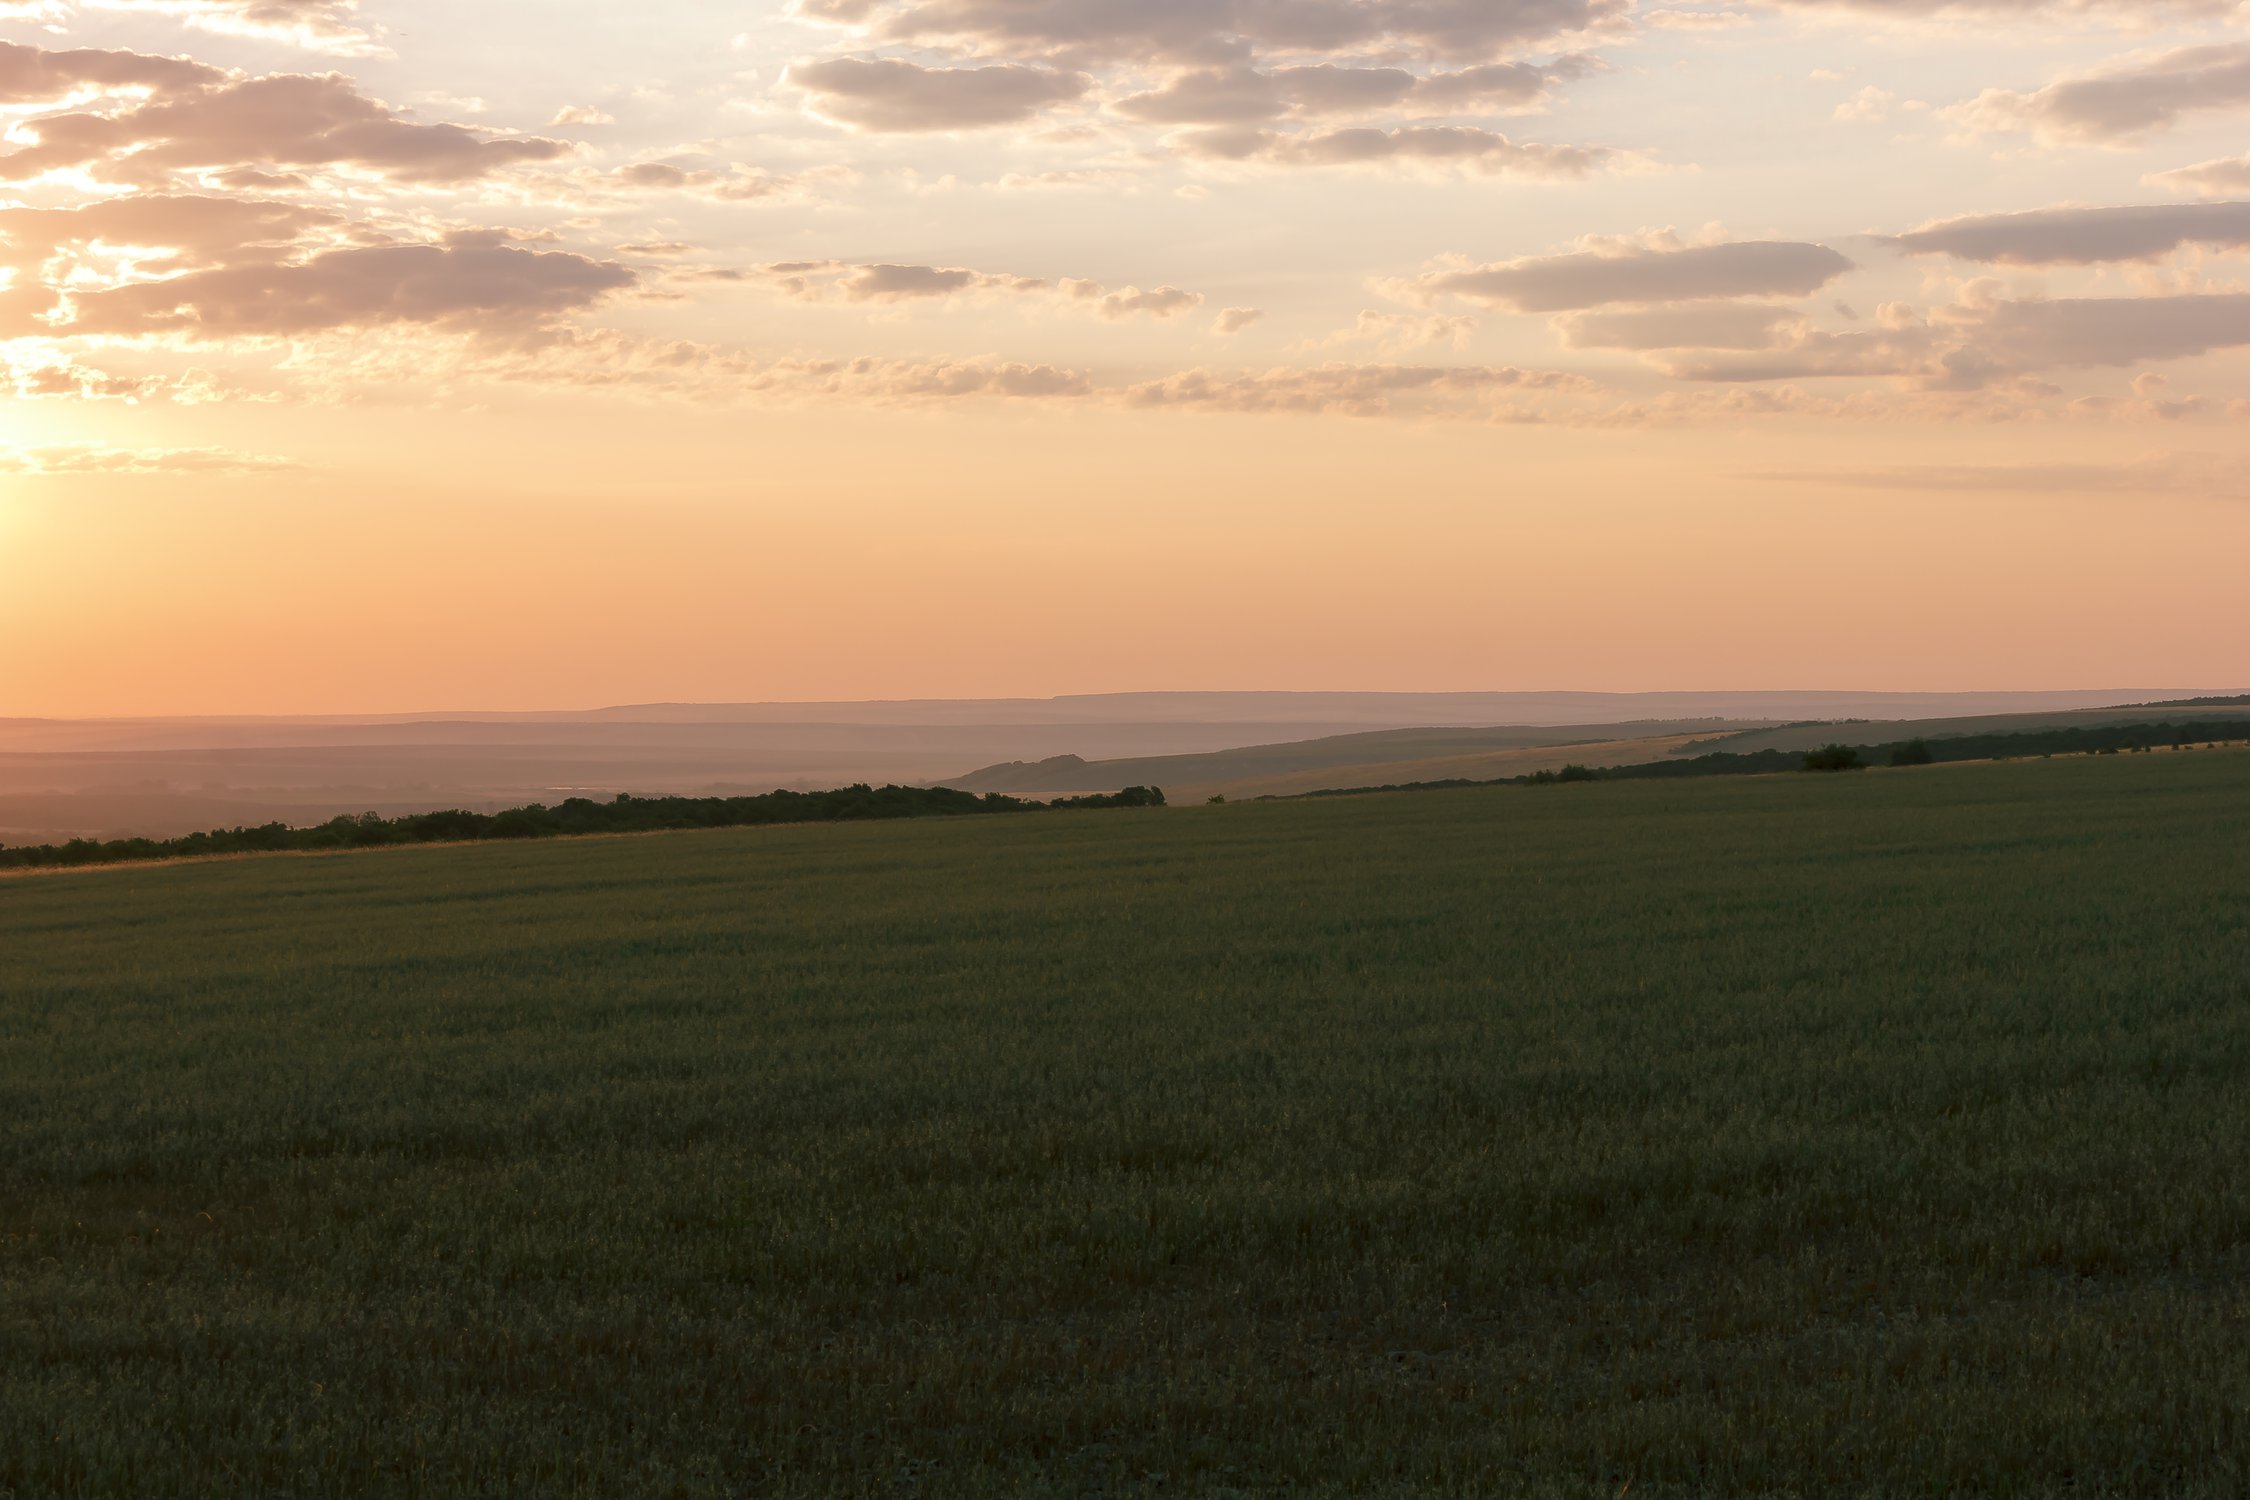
1835 758
1913 753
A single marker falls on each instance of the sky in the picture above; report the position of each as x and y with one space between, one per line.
412 354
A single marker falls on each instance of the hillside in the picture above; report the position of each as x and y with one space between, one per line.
1882 732
1380 752
1401 757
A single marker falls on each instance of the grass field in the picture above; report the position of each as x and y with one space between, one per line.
1872 1136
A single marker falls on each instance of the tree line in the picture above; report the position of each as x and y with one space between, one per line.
577 817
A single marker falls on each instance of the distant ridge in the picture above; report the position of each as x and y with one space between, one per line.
1370 710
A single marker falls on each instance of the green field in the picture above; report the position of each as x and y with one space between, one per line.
1824 1136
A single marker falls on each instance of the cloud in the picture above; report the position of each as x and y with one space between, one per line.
1695 20
2133 97
734 184
606 358
820 280
1244 95
952 380
1870 106
168 233
466 284
1264 80
2211 179
2024 10
35 374
1464 146
1903 353
2150 401
1096 32
826 280
898 96
1116 307
202 122
1399 333
320 25
59 257
1347 389
2113 331
1718 325
35 75
2083 236
1987 341
93 460
1600 278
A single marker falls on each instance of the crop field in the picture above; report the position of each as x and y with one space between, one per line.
1874 1136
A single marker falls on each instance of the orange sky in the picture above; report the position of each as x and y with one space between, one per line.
944 348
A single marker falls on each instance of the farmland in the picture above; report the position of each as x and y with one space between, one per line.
1875 1135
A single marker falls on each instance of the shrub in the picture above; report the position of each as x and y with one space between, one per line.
1835 758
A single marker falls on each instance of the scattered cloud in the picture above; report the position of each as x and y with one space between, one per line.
1986 341
1607 276
1101 32
1347 389
166 119
113 461
466 283
1244 95
36 75
890 94
1465 146
826 280
2044 11
2210 179
1235 66
317 25
845 281
32 373
1115 307
2083 236
1713 325
2128 99
1695 20
1870 105
1396 334
728 184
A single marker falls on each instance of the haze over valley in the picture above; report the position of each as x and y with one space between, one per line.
118 778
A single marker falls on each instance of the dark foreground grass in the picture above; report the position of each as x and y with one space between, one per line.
1879 1136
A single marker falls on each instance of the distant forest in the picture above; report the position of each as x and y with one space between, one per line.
579 816
2107 739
